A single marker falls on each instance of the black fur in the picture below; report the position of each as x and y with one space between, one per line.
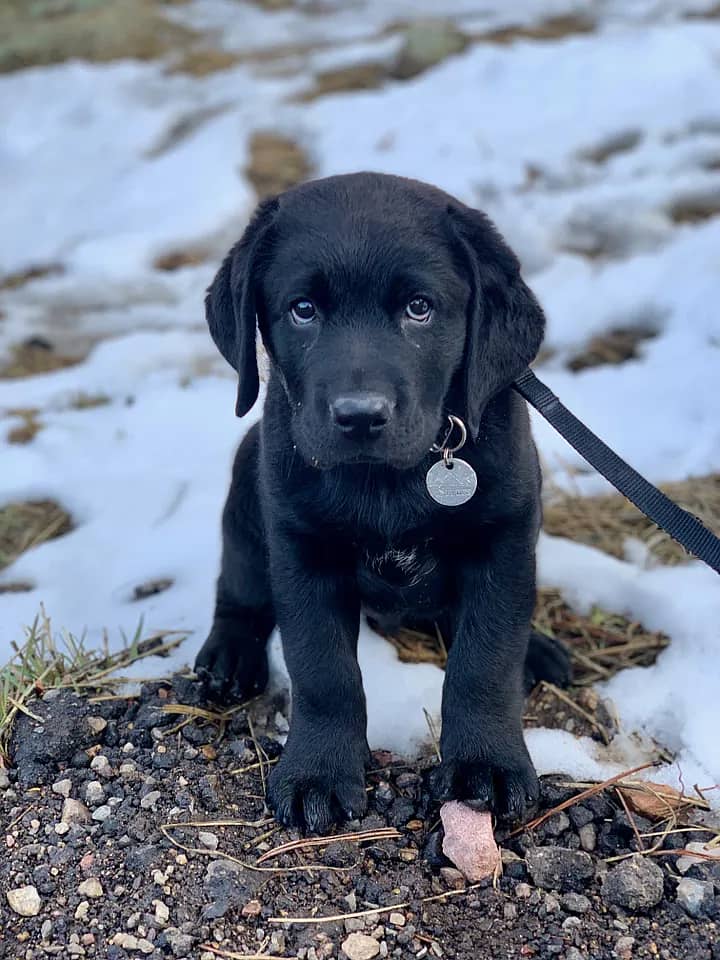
320 521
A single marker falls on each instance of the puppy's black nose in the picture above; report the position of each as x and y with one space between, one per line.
361 415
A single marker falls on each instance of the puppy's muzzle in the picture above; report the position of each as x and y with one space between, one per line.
361 416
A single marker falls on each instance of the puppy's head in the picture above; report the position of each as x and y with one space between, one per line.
384 304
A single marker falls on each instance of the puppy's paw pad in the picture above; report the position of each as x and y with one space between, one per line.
508 792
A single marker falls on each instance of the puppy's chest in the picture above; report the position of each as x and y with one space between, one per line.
396 579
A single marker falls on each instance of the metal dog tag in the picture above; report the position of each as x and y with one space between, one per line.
451 484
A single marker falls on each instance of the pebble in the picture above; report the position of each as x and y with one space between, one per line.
452 877
4 779
252 908
557 824
557 868
62 828
180 944
150 799
100 764
635 884
46 930
90 888
575 902
360 946
94 792
102 813
25 901
81 912
523 891
623 947
74 811
588 837
162 912
96 724
208 840
397 919
62 787
696 897
469 840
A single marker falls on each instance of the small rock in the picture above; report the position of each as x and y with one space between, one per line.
509 911
162 912
252 908
575 902
180 944
128 941
572 953
397 919
208 840
623 947
635 884
588 837
74 811
62 787
571 924
469 840
25 901
94 792
557 824
62 828
696 897
46 930
557 868
81 913
4 779
523 891
90 888
452 877
102 813
100 764
359 946
150 799
96 724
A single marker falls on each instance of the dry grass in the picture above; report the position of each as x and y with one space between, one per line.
276 163
45 661
601 643
695 207
601 152
29 425
177 259
25 524
607 521
359 76
35 356
88 401
554 28
614 347
12 281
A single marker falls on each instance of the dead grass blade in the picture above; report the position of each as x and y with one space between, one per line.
363 836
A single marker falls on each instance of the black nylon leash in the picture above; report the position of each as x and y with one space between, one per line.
682 526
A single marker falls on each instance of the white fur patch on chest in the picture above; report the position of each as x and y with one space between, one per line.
412 563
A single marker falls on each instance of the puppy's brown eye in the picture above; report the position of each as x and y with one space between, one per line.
419 310
303 311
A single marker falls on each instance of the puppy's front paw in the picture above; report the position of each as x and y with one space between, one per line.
315 793
231 668
507 787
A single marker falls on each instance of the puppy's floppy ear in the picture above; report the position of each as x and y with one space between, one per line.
505 321
230 305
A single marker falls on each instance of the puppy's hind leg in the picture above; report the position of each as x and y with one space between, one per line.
547 659
233 660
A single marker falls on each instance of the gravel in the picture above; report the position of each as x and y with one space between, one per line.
87 872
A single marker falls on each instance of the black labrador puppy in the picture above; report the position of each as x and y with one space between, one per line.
384 306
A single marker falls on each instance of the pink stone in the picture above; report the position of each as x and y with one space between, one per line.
469 840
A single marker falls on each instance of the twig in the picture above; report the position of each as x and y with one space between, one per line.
631 818
433 733
261 755
578 798
383 833
375 910
240 956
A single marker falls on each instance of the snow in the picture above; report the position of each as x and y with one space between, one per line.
103 168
